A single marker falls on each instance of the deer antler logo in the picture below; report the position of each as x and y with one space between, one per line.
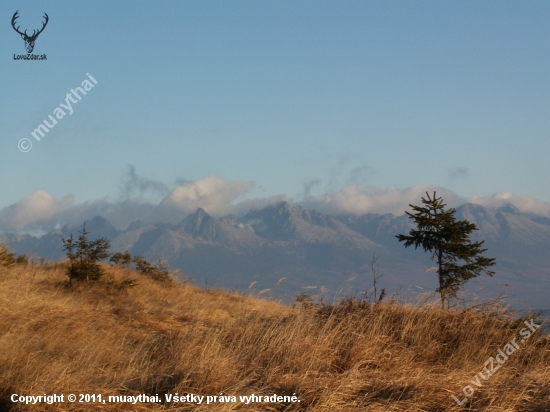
29 40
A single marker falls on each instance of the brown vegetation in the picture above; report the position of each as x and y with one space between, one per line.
158 338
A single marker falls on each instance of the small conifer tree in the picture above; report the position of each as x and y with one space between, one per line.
158 272
122 259
8 258
84 256
458 259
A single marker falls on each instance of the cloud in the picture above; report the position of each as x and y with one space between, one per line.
211 193
33 211
357 200
310 185
41 212
360 200
360 173
335 172
137 186
525 204
457 172
259 203
119 214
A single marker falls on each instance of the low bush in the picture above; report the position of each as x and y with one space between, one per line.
158 272
85 256
8 258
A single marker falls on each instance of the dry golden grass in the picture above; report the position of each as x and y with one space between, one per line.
154 339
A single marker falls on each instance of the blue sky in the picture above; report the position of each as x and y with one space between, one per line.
277 98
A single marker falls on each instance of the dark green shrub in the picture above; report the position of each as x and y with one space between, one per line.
303 300
8 258
121 259
85 256
157 272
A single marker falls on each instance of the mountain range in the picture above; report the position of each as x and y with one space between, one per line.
283 249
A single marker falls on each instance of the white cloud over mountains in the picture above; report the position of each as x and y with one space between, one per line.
525 204
32 211
213 194
356 200
40 212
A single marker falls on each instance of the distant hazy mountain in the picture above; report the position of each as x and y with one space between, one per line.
320 252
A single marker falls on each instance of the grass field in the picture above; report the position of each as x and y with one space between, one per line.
167 339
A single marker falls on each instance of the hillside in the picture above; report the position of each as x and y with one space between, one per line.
313 251
157 339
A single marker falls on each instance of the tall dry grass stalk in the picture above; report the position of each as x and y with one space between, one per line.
154 339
